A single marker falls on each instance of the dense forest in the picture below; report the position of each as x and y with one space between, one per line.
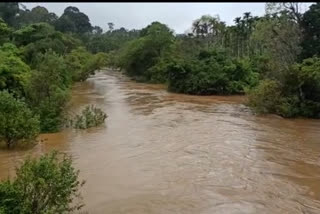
273 60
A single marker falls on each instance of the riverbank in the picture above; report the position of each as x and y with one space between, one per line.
161 152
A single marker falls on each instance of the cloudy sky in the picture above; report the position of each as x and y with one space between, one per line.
178 16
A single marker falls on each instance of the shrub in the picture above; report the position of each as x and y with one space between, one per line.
140 57
17 122
89 117
265 97
268 97
45 185
212 72
298 94
13 71
48 90
82 63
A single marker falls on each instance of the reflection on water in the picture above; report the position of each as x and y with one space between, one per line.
162 152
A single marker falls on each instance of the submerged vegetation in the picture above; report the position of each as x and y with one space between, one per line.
48 184
17 121
273 59
42 55
90 116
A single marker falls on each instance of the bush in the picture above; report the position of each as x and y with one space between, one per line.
45 185
89 117
13 71
48 90
17 122
92 64
212 72
5 32
266 97
140 57
297 95
82 63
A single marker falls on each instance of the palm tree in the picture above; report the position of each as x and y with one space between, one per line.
238 31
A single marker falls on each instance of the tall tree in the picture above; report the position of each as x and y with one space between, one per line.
209 28
311 26
280 38
36 15
74 21
110 26
9 12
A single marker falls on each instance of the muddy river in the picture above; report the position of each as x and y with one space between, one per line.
161 152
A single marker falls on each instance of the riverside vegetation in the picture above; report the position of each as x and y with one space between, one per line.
274 59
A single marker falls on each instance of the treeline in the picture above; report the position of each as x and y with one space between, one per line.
41 55
274 58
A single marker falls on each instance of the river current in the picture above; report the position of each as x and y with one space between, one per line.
162 152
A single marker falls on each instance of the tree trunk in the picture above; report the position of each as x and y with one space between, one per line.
9 143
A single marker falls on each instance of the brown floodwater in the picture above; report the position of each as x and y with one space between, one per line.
161 152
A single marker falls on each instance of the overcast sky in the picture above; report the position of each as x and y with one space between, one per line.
178 16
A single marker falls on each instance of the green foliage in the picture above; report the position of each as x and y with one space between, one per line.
49 184
17 122
73 21
39 38
266 96
8 12
75 62
82 63
280 38
269 97
111 40
40 63
297 95
145 52
5 32
36 15
92 64
13 71
303 80
211 73
311 27
33 33
89 117
48 90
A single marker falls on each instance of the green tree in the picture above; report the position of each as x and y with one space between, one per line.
293 9
32 33
14 72
296 95
5 32
8 12
212 72
110 40
82 63
39 38
90 117
280 38
311 26
97 30
210 29
139 55
36 15
17 122
49 184
74 21
48 90
110 26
